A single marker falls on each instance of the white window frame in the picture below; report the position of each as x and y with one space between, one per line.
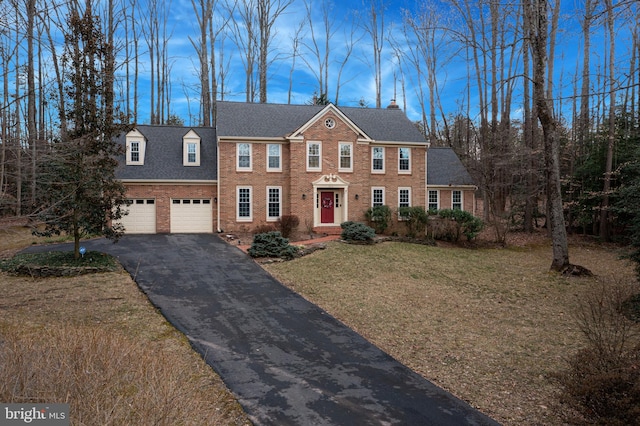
250 166
308 157
244 218
408 189
269 156
279 189
191 152
136 151
408 170
373 191
373 150
453 203
191 139
437 203
340 157
129 153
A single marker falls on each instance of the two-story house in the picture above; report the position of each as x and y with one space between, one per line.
323 164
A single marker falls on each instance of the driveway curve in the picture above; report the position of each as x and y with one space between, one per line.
287 361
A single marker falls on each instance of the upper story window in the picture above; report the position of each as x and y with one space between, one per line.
135 147
404 160
243 157
191 153
346 157
456 200
433 199
314 153
377 159
191 149
134 152
274 154
377 197
330 123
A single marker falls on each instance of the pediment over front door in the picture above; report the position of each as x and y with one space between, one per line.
330 181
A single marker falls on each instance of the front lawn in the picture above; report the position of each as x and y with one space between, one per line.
489 325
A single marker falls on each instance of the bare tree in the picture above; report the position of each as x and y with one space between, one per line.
538 35
373 25
268 13
611 133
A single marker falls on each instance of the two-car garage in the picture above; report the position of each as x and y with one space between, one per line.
186 215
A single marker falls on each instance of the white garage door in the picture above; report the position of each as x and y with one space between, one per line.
142 216
191 215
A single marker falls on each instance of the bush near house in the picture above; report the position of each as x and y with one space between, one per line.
271 244
415 220
287 224
379 218
449 224
357 231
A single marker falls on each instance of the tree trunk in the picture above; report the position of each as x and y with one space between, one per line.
604 211
539 39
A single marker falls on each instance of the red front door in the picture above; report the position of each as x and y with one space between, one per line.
326 207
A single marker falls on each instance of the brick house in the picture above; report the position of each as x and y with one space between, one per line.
324 164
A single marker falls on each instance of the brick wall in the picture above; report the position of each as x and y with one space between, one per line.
295 180
163 195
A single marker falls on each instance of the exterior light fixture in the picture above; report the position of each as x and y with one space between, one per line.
304 196
357 196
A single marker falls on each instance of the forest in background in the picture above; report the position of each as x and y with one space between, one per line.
504 64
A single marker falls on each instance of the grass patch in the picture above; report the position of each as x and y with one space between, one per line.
489 325
96 342
58 263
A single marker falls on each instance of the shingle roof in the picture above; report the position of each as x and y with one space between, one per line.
445 168
163 158
280 120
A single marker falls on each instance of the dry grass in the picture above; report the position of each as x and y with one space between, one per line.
95 342
489 325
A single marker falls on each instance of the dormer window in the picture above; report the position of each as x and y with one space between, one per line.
135 152
135 148
191 149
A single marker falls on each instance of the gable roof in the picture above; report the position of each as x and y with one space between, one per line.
255 120
444 168
164 156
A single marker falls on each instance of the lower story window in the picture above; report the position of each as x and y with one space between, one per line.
433 199
273 203
404 197
244 203
377 197
456 200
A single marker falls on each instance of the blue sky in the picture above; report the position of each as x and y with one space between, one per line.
358 78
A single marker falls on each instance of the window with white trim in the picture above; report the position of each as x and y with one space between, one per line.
274 154
377 197
134 152
274 203
314 154
346 157
404 197
243 212
244 157
135 146
191 153
191 149
456 200
433 199
377 159
404 160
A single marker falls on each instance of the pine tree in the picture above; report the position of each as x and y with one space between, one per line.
80 195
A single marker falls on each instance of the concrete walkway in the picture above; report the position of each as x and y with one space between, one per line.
287 361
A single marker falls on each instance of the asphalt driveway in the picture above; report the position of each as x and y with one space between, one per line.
287 361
